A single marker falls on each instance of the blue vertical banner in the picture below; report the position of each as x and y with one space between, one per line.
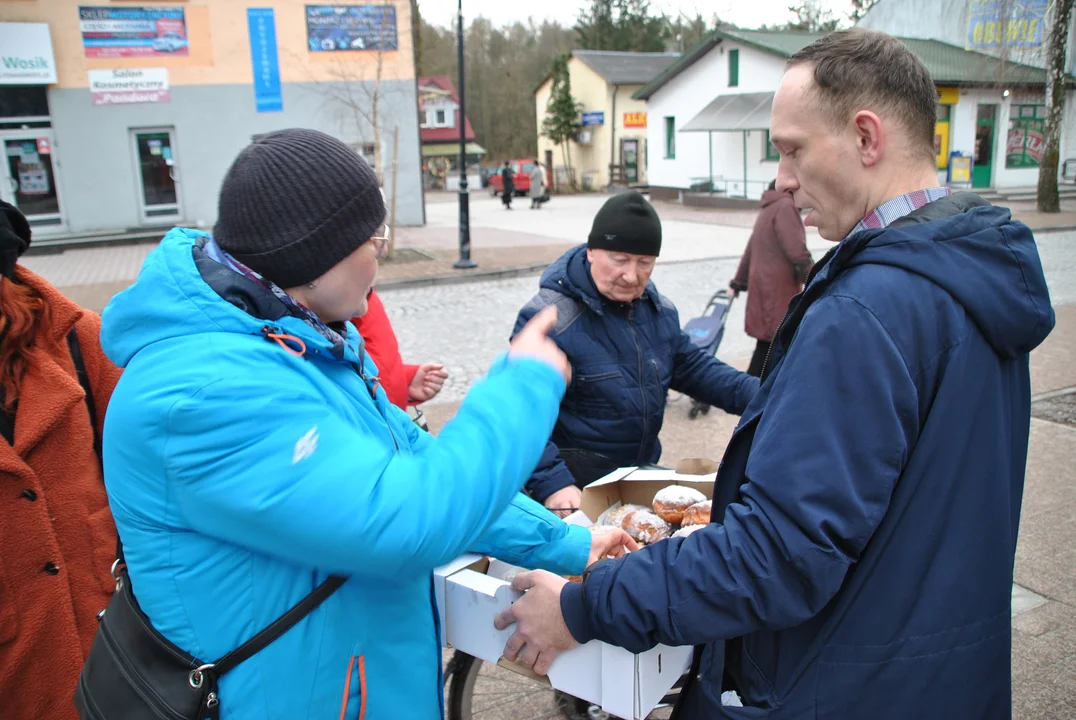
267 93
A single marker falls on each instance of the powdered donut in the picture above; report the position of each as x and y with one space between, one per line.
645 527
615 518
697 514
687 530
671 502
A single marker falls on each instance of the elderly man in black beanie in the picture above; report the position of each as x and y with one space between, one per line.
627 350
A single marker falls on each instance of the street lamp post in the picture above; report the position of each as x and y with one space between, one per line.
465 262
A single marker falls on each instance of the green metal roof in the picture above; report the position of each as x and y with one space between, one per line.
947 64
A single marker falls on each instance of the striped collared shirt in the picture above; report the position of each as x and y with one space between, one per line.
898 207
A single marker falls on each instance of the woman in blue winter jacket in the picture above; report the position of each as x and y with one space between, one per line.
250 453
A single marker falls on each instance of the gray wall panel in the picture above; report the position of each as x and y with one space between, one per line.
212 124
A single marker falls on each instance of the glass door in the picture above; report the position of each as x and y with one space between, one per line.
27 177
158 186
983 169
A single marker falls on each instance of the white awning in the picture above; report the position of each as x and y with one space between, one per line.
733 113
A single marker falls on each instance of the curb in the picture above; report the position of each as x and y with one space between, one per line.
460 278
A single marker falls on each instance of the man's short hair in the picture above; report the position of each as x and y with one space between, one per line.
868 70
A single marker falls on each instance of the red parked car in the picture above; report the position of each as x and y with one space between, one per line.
521 176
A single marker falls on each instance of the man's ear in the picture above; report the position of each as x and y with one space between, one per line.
870 137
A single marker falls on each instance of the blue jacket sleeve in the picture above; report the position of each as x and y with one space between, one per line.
528 535
826 455
702 376
297 481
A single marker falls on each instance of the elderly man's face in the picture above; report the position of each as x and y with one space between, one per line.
819 164
620 276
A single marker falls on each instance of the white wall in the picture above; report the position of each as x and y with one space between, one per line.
685 96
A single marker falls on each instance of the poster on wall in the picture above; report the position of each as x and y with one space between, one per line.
33 179
351 27
996 24
268 96
1024 146
634 119
119 32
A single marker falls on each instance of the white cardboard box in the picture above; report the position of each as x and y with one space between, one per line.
472 592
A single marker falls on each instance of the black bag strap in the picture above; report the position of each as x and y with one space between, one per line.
279 626
84 381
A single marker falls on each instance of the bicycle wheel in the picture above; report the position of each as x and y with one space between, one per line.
481 691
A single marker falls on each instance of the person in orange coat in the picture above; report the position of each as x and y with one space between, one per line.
404 384
57 538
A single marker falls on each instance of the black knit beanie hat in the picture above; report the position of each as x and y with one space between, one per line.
295 203
626 223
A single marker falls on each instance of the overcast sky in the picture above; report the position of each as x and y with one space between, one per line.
745 13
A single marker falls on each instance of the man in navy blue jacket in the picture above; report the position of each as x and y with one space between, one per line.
624 342
860 556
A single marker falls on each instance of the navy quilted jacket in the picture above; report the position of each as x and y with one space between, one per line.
625 358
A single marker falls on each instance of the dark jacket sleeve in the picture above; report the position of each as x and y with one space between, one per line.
739 281
824 461
702 376
792 239
551 474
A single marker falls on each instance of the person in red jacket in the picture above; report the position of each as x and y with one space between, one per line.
772 270
404 384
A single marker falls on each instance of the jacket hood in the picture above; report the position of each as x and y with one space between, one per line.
769 197
570 275
978 254
181 291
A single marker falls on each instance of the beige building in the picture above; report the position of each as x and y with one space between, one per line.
121 116
611 147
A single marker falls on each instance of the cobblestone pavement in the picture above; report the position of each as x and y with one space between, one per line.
466 326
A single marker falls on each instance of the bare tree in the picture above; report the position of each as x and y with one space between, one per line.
360 97
1057 50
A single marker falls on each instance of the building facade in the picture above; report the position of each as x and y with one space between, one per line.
710 115
439 123
612 146
116 116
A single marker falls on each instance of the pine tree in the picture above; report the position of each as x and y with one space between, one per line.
562 123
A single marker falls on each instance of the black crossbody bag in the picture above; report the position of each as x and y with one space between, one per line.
133 672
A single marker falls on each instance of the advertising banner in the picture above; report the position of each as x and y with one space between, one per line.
129 85
351 27
995 24
268 96
116 32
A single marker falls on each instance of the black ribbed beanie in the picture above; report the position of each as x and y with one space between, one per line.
295 203
626 223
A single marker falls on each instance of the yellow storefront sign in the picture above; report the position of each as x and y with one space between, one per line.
634 119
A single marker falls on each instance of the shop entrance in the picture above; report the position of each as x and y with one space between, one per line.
28 178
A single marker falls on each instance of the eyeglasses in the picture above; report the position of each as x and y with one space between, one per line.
381 243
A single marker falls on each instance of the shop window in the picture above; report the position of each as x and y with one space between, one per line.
769 152
734 68
670 138
941 136
1027 136
21 101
